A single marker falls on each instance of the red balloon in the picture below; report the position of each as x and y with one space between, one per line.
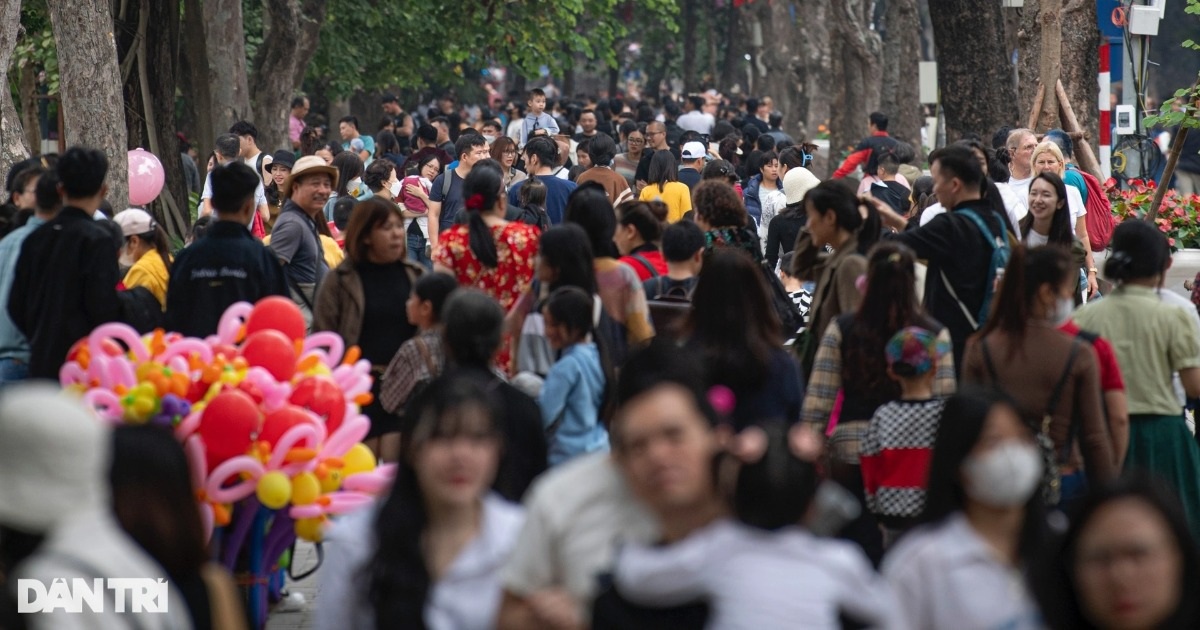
276 313
279 421
228 426
272 350
323 397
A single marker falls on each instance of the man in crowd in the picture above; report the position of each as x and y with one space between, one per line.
694 118
775 122
601 150
491 129
587 125
1187 172
248 151
228 265
295 239
655 486
66 275
442 124
348 128
656 140
446 192
1021 143
866 154
228 148
14 347
395 113
541 161
427 143
693 163
296 120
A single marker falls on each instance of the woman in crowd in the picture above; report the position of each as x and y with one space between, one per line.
626 163
504 150
785 227
153 500
430 554
617 284
414 196
349 181
279 168
733 325
1153 340
720 213
363 300
1054 378
380 178
1125 562
1049 219
489 253
639 230
983 524
834 220
1047 157
765 185
147 251
387 147
664 185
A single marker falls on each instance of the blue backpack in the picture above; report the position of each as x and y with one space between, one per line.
1000 255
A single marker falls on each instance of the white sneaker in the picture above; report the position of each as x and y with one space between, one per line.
293 602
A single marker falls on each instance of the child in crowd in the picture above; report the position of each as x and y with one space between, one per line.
761 570
898 444
533 199
683 250
576 391
799 292
420 359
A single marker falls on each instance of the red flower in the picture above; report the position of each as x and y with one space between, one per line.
475 202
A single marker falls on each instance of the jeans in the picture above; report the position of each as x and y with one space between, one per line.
13 370
416 250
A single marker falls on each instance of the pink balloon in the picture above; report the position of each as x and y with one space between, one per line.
146 177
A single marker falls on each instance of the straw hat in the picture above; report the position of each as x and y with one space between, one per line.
308 165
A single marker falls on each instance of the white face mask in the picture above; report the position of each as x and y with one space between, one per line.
394 189
1005 476
126 260
1062 311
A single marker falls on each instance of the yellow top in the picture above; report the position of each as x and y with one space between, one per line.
150 272
676 195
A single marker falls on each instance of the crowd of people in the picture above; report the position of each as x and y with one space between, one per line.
675 382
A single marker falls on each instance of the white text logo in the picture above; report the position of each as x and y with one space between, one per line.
121 595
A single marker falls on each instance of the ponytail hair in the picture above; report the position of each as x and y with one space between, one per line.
1139 251
574 308
1028 270
483 191
835 195
158 237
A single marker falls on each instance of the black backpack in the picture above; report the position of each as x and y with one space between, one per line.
668 307
784 307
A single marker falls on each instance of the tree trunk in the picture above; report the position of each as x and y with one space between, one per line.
27 95
90 85
856 51
690 80
780 56
226 71
130 26
816 62
901 98
291 29
12 137
162 46
733 51
974 75
1077 70
197 92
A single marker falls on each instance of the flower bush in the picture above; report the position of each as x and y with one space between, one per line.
1178 218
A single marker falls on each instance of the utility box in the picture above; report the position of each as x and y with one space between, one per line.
1143 20
1123 120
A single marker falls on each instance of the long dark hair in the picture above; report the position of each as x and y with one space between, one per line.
1027 271
1053 580
890 304
589 208
153 499
482 190
732 321
565 248
349 166
574 308
663 169
647 217
836 196
397 575
964 417
1060 224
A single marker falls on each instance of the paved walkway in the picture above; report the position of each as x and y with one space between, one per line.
306 557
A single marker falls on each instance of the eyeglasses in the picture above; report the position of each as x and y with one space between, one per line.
510 152
636 140
654 133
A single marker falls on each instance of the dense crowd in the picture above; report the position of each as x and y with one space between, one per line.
639 367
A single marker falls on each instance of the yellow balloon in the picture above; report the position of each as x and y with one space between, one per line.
332 481
305 488
274 490
358 459
309 529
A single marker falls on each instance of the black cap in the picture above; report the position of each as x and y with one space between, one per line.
284 157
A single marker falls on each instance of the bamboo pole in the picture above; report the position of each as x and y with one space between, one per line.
1037 107
1083 151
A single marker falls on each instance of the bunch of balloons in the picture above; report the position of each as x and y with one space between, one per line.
261 409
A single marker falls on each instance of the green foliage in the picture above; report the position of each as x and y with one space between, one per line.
35 43
366 44
1186 98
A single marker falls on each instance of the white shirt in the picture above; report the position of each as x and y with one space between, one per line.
466 598
755 579
697 121
1020 189
1014 210
1075 204
260 194
1033 239
945 576
575 514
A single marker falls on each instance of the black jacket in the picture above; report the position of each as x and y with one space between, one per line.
226 266
953 245
65 285
782 233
